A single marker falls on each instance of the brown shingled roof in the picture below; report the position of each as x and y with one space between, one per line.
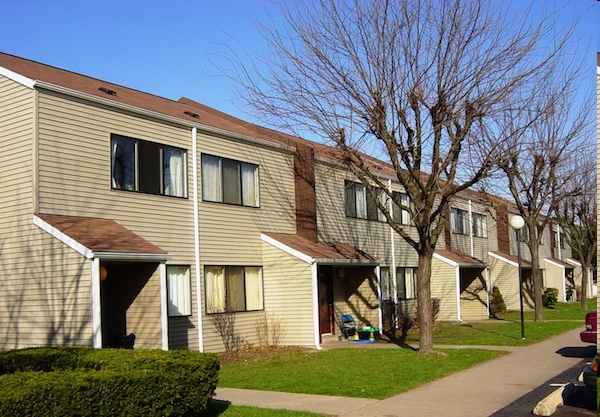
123 95
321 250
513 258
101 235
460 258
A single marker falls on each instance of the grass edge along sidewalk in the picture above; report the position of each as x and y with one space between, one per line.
380 373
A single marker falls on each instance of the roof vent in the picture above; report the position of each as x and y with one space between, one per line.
108 91
191 114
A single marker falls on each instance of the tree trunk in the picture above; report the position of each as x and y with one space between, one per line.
584 286
536 277
424 302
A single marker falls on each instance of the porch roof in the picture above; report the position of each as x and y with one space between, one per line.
512 259
99 238
322 252
460 259
561 263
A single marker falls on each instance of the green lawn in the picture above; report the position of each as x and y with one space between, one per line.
380 373
223 410
357 372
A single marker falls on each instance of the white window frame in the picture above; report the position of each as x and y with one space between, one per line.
179 290
217 189
459 221
170 172
233 288
480 225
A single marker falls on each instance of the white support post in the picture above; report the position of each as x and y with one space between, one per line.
96 304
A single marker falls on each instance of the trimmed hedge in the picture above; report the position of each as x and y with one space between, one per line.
106 382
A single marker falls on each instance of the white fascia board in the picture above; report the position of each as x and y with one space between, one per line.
347 262
135 257
503 259
445 260
297 254
16 77
574 262
550 261
67 240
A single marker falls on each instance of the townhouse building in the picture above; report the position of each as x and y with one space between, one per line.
127 213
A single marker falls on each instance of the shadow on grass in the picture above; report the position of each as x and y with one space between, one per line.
491 331
398 340
215 408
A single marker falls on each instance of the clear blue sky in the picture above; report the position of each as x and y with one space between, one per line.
164 47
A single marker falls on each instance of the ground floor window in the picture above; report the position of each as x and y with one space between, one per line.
233 288
406 283
179 290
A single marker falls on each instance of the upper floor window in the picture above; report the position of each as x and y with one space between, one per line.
360 203
479 225
459 220
147 167
402 215
228 181
559 238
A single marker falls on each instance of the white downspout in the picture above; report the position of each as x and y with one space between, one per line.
380 296
471 229
197 237
558 242
315 297
393 245
488 284
459 313
96 305
164 313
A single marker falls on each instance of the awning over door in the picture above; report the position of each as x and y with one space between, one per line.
99 238
319 252
459 259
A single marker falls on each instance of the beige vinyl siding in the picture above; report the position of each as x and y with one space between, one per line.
289 295
46 299
356 294
481 245
473 296
370 236
443 286
505 276
230 235
74 179
554 278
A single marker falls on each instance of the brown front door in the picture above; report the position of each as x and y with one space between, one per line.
325 300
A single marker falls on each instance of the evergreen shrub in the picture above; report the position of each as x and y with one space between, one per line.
106 382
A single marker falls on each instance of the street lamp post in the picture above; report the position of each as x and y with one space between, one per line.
516 223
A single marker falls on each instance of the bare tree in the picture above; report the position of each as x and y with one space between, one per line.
423 85
538 159
577 217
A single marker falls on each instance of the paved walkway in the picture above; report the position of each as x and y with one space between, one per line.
477 392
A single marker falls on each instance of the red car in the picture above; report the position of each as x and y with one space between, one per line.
590 334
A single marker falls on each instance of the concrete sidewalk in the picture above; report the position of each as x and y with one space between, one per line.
478 391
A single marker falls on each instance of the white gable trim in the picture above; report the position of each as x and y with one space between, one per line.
297 254
445 260
574 262
67 240
550 261
16 77
503 259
